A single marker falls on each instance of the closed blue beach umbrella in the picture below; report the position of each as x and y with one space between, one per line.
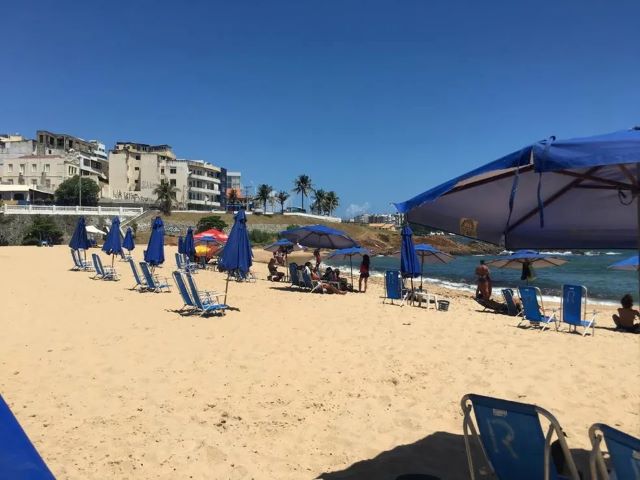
155 248
237 254
112 245
409 262
180 244
80 239
128 242
189 245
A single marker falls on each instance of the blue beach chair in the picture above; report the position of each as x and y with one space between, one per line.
509 298
80 264
309 283
393 287
624 453
188 303
154 284
293 275
205 302
140 284
19 459
103 273
511 438
533 309
574 309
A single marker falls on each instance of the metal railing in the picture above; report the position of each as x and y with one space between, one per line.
69 210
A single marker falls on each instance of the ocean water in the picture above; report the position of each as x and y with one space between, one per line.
582 268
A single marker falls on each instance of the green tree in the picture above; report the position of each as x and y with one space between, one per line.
331 202
68 192
264 191
212 221
318 203
165 194
282 198
42 228
303 186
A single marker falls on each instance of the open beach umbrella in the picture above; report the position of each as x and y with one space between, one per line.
409 263
128 242
210 235
79 239
189 245
349 253
630 263
430 255
577 193
180 244
283 242
526 259
154 254
112 244
319 236
237 254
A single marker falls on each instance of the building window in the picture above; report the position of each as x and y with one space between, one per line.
49 152
34 167
137 169
137 157
10 181
34 181
41 137
47 167
10 167
172 182
172 171
162 171
22 168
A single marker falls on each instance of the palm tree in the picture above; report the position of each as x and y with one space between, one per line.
318 204
303 186
282 198
264 191
331 202
166 194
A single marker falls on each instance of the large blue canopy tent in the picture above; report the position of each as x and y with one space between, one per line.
237 255
577 193
154 255
112 244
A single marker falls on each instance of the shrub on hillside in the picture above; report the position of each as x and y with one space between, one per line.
260 237
42 228
292 227
212 221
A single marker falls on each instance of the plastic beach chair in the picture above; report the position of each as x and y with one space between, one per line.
312 285
154 283
509 298
80 264
624 454
19 459
188 303
140 282
574 309
293 275
103 273
511 439
533 309
205 302
393 289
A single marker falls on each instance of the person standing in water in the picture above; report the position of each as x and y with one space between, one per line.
364 273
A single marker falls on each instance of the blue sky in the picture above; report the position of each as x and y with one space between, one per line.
375 100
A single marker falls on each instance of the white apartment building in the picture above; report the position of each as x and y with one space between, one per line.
13 146
205 190
44 172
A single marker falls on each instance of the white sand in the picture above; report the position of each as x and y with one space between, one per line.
110 383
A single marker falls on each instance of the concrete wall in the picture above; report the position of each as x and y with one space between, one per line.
14 227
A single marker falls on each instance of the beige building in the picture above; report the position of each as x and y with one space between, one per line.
45 172
13 146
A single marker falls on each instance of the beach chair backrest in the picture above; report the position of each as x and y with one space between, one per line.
182 288
508 294
624 450
306 280
194 292
97 264
512 438
293 274
574 298
18 457
393 284
179 261
144 266
529 297
134 270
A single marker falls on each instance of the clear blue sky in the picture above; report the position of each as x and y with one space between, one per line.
375 100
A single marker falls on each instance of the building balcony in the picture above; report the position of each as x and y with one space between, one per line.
206 191
207 203
204 178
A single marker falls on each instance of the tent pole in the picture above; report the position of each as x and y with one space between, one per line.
351 265
638 208
226 288
421 269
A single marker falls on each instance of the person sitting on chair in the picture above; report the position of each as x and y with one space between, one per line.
274 274
625 319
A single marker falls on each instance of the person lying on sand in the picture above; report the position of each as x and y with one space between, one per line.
625 319
326 286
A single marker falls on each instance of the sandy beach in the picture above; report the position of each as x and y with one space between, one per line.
111 383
